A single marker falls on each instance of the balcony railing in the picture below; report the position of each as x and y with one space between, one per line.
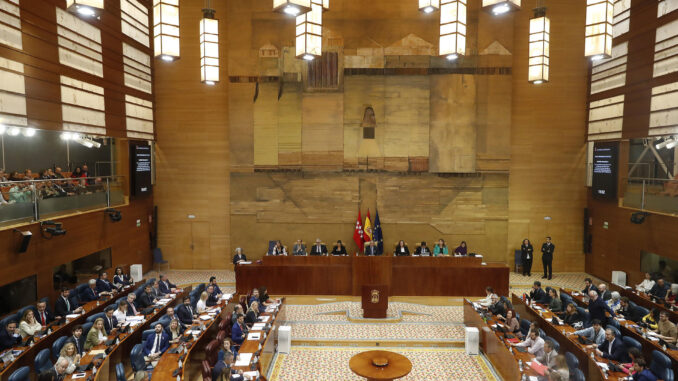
32 200
651 194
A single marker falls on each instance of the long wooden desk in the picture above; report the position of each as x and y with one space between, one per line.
405 276
169 362
27 357
269 344
629 328
644 300
567 343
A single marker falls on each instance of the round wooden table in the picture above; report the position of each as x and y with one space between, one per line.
389 365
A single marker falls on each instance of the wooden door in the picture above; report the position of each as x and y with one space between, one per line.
201 245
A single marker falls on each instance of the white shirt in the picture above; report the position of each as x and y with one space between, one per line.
201 306
121 316
535 347
645 286
487 301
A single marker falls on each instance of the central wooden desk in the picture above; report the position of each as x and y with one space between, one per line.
404 276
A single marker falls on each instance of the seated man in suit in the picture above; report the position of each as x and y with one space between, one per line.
594 333
222 369
77 339
239 256
9 336
155 345
146 298
56 373
212 297
165 285
213 283
537 294
132 305
186 313
548 358
588 286
104 287
237 310
423 250
63 305
604 292
44 316
659 289
612 348
90 293
299 248
318 248
372 249
665 329
110 321
239 330
627 311
156 292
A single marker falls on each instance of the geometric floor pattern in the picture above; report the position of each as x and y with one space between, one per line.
331 364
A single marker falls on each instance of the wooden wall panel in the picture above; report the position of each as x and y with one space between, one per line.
322 131
192 150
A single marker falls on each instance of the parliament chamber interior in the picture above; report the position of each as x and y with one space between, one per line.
289 190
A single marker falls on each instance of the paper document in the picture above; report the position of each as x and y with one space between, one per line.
194 332
258 326
95 352
226 296
72 316
243 359
252 375
75 376
164 301
254 336
264 318
246 262
205 317
602 365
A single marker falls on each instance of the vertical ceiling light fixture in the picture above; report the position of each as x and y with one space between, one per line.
309 32
209 47
326 5
429 6
499 7
90 8
166 29
599 15
452 29
540 28
292 7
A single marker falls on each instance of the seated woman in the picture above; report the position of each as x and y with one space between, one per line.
96 334
252 314
71 355
555 305
201 306
571 315
646 285
561 372
121 279
670 298
440 248
339 249
28 326
278 249
511 322
461 249
615 301
401 250
174 330
652 319
634 354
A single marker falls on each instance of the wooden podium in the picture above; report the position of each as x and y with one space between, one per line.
374 301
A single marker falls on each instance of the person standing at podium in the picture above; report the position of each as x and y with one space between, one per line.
318 248
339 249
423 250
401 250
372 250
239 256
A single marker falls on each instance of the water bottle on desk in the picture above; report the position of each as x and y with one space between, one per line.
520 365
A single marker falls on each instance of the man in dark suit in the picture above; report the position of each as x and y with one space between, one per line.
56 373
223 367
612 348
110 321
659 289
132 305
588 286
63 305
598 307
239 330
77 339
318 248
165 285
156 293
604 292
44 317
212 296
423 250
90 293
156 344
186 313
537 294
146 298
627 310
104 287
9 336
371 249
547 258
239 256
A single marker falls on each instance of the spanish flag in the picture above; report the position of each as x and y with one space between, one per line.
367 228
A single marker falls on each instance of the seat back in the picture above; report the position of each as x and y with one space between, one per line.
136 356
157 256
221 336
42 361
57 345
585 316
120 372
206 370
21 311
80 289
542 334
85 328
524 326
661 366
630 342
553 341
507 301
7 319
577 375
572 361
21 374
146 333
641 311
211 354
614 329
92 318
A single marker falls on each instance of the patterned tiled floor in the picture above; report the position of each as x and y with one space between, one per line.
330 364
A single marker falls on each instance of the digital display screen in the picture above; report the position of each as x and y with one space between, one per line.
141 169
605 158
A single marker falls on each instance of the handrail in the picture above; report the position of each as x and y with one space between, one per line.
38 180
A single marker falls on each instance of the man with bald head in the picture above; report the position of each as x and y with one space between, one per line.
598 307
57 373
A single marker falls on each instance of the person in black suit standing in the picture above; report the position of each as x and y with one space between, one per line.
63 305
77 339
239 256
110 321
526 256
547 258
318 248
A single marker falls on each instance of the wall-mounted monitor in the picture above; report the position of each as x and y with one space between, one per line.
141 162
605 160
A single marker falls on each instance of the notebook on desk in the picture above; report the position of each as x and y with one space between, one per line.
538 367
520 349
